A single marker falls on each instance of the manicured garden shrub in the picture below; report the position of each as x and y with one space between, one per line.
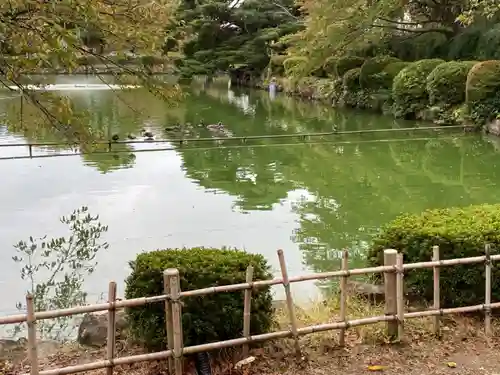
329 66
294 64
277 64
351 87
207 318
390 72
372 71
459 233
483 91
488 47
347 63
409 88
446 83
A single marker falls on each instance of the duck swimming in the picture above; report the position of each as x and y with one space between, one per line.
148 134
115 137
216 127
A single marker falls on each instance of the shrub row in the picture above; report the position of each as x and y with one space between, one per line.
431 89
459 233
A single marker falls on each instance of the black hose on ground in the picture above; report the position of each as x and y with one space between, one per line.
202 364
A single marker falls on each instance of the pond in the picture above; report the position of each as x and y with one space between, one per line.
309 197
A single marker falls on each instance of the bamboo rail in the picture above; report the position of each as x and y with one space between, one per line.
394 316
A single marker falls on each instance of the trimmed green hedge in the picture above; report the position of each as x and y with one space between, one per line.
483 91
294 64
347 63
409 88
446 83
277 64
351 87
207 318
372 71
329 66
459 233
391 71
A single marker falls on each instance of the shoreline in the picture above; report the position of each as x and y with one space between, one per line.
320 90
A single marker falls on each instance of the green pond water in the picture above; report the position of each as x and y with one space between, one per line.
311 198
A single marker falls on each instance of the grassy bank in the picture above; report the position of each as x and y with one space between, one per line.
462 349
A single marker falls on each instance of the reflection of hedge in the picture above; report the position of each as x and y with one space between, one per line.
446 83
347 63
409 88
372 71
459 233
483 91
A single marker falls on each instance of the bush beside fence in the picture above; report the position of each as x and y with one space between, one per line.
393 270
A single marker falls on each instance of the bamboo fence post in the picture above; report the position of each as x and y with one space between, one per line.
437 297
400 296
32 344
487 291
111 340
390 292
343 295
169 327
289 302
247 307
175 289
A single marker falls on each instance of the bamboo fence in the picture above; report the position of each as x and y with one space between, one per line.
395 315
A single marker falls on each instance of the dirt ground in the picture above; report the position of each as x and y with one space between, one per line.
462 349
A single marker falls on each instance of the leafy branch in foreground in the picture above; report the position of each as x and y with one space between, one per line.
56 268
47 36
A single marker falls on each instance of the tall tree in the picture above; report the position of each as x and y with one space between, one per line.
222 34
54 34
356 23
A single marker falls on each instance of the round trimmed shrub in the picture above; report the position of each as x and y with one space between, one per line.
351 87
206 318
483 80
459 233
350 81
329 66
371 74
277 64
483 91
294 64
409 88
446 83
391 71
347 63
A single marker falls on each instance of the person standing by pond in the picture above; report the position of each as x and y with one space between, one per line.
272 88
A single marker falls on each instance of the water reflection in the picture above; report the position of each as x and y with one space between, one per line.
313 197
